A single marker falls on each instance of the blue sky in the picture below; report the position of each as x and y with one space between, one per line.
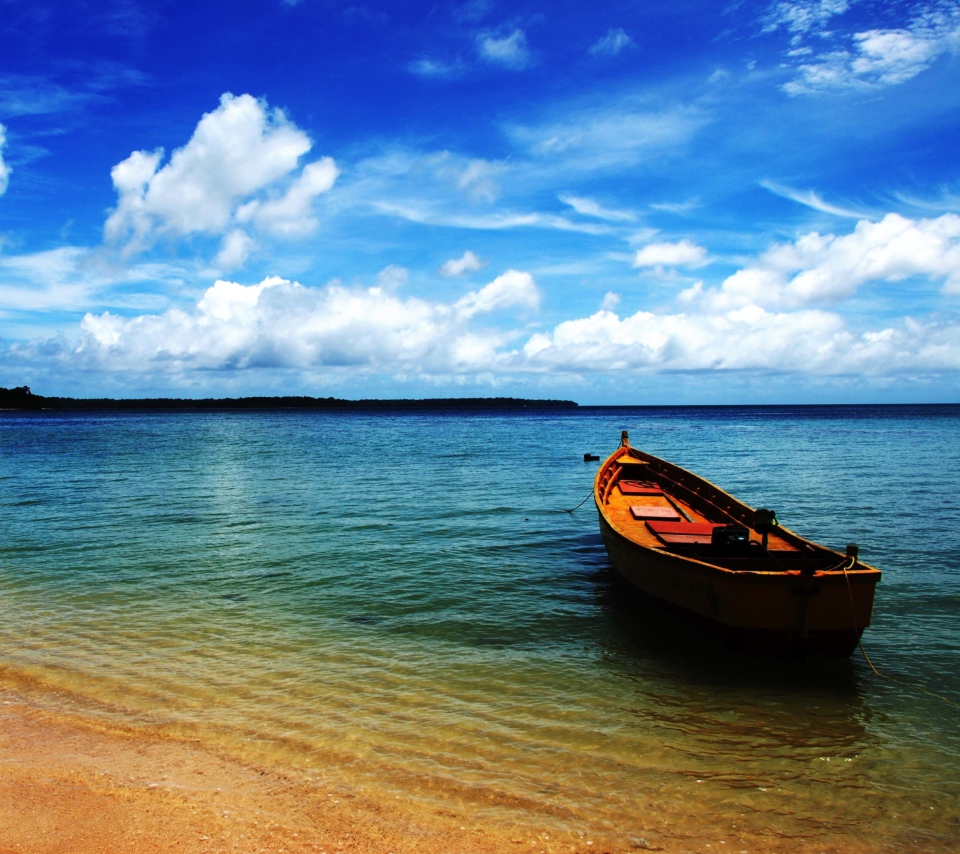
615 203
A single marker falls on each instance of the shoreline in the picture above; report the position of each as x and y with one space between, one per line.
72 782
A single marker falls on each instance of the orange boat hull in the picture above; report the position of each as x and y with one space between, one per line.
765 608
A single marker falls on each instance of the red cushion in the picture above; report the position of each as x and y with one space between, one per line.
699 533
682 527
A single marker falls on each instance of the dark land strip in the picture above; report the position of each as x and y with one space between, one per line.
22 398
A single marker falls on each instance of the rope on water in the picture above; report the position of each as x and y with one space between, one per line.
589 494
866 657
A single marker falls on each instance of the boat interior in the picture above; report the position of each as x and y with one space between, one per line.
661 506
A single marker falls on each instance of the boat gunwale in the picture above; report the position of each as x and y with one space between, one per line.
859 573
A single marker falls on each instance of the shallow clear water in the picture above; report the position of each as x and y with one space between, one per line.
395 598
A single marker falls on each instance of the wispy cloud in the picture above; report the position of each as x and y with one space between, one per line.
436 69
366 15
589 207
22 95
4 167
125 18
882 55
467 263
610 44
947 201
509 52
800 17
46 280
810 199
424 214
234 251
478 179
76 278
676 207
472 11
89 83
617 135
610 301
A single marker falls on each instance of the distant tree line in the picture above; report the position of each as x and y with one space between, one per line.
22 398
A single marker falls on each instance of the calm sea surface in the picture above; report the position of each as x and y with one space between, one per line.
395 599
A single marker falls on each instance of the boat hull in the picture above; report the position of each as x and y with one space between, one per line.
757 612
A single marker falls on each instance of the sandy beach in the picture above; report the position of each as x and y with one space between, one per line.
73 785
69 785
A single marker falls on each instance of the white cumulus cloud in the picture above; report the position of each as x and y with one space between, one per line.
467 263
508 52
4 167
290 215
820 268
770 316
239 166
279 323
377 330
746 339
512 289
683 253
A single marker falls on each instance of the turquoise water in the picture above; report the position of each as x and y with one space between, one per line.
395 600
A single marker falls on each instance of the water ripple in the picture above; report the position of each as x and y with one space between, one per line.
410 605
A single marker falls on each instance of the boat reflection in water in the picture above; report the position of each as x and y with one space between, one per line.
726 566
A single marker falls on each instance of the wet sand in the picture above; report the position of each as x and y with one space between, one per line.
68 784
72 784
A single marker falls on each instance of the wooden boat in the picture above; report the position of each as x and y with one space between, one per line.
725 566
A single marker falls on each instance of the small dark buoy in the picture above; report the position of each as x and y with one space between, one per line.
590 458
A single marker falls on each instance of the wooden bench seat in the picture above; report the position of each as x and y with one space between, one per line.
639 487
658 512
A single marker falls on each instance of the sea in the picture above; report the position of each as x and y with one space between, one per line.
402 601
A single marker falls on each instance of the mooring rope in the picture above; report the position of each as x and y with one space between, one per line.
863 652
590 493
